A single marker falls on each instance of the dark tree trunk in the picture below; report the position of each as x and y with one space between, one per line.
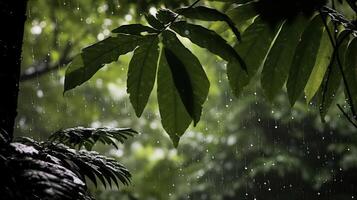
13 16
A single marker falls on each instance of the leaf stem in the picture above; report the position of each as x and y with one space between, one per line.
178 14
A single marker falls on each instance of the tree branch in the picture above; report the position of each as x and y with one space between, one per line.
44 66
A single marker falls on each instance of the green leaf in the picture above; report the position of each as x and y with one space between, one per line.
256 42
208 39
142 72
188 74
208 14
154 22
174 117
332 79
304 59
182 80
134 29
278 61
166 16
242 14
350 71
323 59
94 57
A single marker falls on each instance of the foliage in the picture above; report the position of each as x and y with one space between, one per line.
214 160
295 46
48 170
87 137
189 84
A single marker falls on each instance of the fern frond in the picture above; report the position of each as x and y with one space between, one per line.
78 137
34 170
90 164
27 173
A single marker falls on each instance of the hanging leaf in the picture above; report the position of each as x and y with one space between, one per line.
192 87
242 14
181 79
256 41
208 14
134 29
208 39
174 117
304 59
323 59
94 57
142 73
166 16
332 79
350 71
278 61
154 22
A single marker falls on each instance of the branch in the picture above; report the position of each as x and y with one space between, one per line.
45 67
339 18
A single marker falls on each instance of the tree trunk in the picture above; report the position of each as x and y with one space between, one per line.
13 14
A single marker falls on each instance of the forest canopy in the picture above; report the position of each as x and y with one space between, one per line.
261 95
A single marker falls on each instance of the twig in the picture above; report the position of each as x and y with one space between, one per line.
45 67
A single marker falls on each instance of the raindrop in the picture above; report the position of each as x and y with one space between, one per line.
36 30
128 17
152 10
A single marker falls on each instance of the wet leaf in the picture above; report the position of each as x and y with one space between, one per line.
94 57
323 59
279 59
256 42
174 117
134 29
188 74
142 73
208 39
304 59
208 14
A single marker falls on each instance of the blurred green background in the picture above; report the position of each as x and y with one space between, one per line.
245 148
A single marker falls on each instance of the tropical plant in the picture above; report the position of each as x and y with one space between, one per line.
49 169
308 45
52 170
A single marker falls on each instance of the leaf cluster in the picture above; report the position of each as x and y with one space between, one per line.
51 170
299 50
309 48
159 55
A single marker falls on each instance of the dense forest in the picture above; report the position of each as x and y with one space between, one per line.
208 100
